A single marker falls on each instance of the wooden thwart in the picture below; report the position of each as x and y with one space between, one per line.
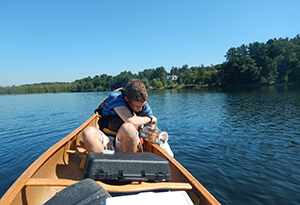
133 187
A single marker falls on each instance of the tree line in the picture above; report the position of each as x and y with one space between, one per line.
276 61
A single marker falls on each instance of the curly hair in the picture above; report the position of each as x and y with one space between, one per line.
136 90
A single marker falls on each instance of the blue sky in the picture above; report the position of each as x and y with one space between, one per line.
65 40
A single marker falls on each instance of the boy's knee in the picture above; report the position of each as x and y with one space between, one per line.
88 132
128 132
128 128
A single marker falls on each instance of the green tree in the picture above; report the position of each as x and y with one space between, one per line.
156 82
174 71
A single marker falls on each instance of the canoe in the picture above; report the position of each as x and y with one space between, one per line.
59 167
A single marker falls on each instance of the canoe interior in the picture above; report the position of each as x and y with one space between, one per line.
58 167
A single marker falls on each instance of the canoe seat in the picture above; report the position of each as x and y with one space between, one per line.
84 192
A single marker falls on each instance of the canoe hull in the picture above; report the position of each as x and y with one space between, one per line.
58 167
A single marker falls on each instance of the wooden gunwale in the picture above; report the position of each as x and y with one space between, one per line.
197 186
18 185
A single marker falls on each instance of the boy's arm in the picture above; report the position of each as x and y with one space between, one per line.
126 116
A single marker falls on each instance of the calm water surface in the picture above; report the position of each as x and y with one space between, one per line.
242 144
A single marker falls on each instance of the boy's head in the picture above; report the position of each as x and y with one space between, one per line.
136 91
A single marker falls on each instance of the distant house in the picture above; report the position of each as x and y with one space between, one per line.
171 77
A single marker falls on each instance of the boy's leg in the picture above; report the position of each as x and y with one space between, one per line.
93 139
127 139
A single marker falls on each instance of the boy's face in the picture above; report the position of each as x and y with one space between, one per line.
135 105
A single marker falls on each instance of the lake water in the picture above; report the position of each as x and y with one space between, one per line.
242 144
